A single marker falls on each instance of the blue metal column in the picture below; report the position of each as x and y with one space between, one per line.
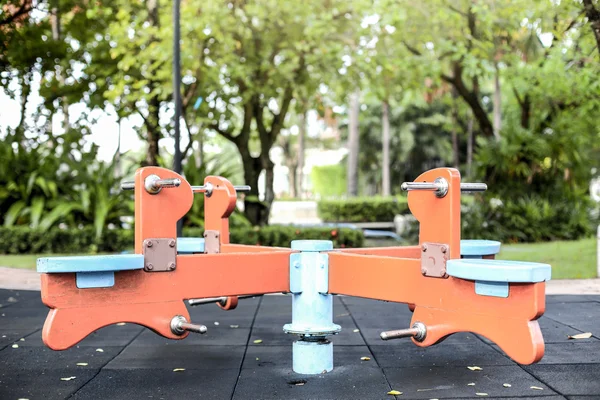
312 307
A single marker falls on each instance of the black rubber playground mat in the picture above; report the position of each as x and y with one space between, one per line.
246 355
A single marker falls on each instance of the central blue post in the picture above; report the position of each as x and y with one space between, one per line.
312 307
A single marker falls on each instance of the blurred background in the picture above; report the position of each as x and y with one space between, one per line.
324 107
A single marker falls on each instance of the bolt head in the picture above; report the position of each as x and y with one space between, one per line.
171 243
444 249
149 243
149 266
172 266
424 271
424 248
296 265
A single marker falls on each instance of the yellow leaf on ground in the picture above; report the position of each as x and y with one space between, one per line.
586 335
536 388
15 346
82 364
481 394
394 393
365 358
22 340
475 368
471 384
507 385
178 369
234 326
258 341
100 350
68 379
356 330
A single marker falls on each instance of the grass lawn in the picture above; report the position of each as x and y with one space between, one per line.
569 260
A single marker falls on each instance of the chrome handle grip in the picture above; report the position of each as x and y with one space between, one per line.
440 187
153 184
418 331
179 325
208 189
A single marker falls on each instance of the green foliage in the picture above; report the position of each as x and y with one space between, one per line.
23 240
328 180
369 209
527 219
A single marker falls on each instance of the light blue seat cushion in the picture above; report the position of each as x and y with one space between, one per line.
103 263
498 270
479 248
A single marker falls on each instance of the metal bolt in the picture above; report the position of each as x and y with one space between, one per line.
171 243
424 247
149 243
424 271
149 266
322 266
296 265
171 266
444 249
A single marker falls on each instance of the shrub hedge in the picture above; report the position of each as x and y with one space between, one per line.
369 209
23 240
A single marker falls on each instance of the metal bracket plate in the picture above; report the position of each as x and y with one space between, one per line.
160 254
433 259
212 242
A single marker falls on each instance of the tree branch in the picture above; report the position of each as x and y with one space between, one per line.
24 9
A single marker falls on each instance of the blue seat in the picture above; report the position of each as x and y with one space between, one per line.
92 271
493 276
190 245
478 248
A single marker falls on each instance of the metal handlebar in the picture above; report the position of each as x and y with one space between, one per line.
153 184
440 187
179 325
208 189
418 331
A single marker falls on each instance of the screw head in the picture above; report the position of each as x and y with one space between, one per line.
171 243
296 265
149 243
424 247
322 266
444 249
171 266
424 271
149 266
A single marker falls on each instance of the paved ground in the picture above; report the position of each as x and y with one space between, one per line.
25 279
226 363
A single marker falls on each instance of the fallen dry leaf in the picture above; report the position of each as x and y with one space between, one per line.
68 379
217 323
21 340
82 364
471 384
258 341
234 326
536 388
586 335
394 393
178 369
257 358
15 346
20 398
475 368
507 385
356 330
365 358
299 384
481 394
100 350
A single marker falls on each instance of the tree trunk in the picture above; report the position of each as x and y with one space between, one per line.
497 104
455 150
292 178
254 209
353 143
299 184
385 123
152 121
56 30
593 16
470 139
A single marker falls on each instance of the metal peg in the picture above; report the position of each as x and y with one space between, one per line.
179 325
208 189
440 187
221 300
153 184
418 331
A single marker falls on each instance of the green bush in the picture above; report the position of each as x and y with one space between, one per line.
528 219
23 240
371 209
329 180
